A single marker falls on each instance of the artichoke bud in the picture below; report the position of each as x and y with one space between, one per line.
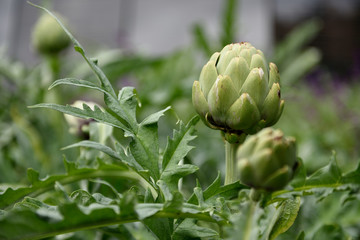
48 37
267 160
237 91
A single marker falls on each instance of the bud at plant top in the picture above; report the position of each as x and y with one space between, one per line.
48 37
267 160
237 91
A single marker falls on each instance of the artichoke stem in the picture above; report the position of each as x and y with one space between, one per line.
53 62
230 162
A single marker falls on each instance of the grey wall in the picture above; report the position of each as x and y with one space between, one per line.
151 26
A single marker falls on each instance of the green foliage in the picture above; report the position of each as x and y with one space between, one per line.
133 179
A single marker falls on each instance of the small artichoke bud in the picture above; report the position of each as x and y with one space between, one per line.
267 160
237 91
48 37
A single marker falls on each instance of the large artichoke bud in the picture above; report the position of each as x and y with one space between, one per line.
48 37
237 92
267 160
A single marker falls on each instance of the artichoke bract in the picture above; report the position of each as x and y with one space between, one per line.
267 160
237 91
48 37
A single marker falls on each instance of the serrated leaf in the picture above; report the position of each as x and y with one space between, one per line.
286 215
97 146
77 82
330 174
128 103
27 223
154 118
177 147
126 159
86 113
216 190
172 174
11 196
323 182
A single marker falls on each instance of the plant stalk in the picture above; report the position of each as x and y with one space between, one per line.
230 162
249 221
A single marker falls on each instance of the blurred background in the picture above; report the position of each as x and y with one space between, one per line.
159 47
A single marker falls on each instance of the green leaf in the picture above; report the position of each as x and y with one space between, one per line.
145 149
216 190
77 82
177 147
97 146
110 99
330 174
127 205
127 106
189 230
323 182
86 113
10 196
37 220
352 177
121 155
171 175
154 118
159 227
285 218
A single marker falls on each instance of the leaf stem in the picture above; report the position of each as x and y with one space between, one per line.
230 162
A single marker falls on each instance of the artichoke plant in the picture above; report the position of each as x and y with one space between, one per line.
48 37
237 91
267 160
